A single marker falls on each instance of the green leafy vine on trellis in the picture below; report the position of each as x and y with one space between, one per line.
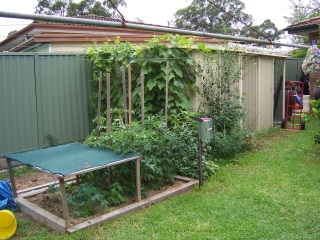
151 59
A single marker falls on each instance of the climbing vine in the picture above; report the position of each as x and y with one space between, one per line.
150 59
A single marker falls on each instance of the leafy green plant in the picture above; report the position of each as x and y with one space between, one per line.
87 200
115 194
166 150
89 197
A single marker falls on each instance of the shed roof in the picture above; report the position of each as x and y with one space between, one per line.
304 27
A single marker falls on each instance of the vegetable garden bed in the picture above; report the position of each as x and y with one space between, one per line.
37 203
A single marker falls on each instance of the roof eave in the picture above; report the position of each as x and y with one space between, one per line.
302 30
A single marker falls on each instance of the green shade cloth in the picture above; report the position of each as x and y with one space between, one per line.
69 158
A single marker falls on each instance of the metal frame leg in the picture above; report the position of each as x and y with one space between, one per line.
13 183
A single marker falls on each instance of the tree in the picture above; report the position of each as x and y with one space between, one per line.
266 30
84 7
51 7
224 17
202 15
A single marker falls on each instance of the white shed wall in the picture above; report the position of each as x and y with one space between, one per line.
258 92
256 87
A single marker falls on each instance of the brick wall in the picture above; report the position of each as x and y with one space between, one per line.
312 82
313 36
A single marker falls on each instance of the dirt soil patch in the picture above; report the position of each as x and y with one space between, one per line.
34 179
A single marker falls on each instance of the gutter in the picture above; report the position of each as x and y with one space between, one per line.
73 20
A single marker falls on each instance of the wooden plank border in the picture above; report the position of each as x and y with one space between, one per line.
41 215
109 216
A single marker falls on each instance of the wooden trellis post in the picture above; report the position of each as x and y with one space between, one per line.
167 93
108 105
99 102
124 91
142 98
129 95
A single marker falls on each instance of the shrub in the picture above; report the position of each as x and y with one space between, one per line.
315 104
224 104
167 150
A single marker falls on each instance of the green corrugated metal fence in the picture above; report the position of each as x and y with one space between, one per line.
43 99
293 69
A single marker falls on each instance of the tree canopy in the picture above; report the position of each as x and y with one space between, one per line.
84 7
224 17
302 10
266 30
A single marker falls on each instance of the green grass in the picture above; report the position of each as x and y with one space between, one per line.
272 192
18 171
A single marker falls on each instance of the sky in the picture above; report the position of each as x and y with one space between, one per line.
151 11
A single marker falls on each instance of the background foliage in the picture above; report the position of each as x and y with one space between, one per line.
224 17
72 8
315 104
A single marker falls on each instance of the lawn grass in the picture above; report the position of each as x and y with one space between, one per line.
272 192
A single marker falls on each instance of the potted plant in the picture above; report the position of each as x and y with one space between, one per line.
316 91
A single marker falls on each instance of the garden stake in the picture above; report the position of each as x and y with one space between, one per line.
108 105
200 161
167 93
124 91
108 122
99 99
129 95
142 99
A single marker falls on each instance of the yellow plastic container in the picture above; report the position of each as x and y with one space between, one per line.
8 224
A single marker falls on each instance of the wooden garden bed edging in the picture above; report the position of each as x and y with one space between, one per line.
58 224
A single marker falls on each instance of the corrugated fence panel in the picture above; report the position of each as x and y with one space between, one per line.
18 119
43 100
62 89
